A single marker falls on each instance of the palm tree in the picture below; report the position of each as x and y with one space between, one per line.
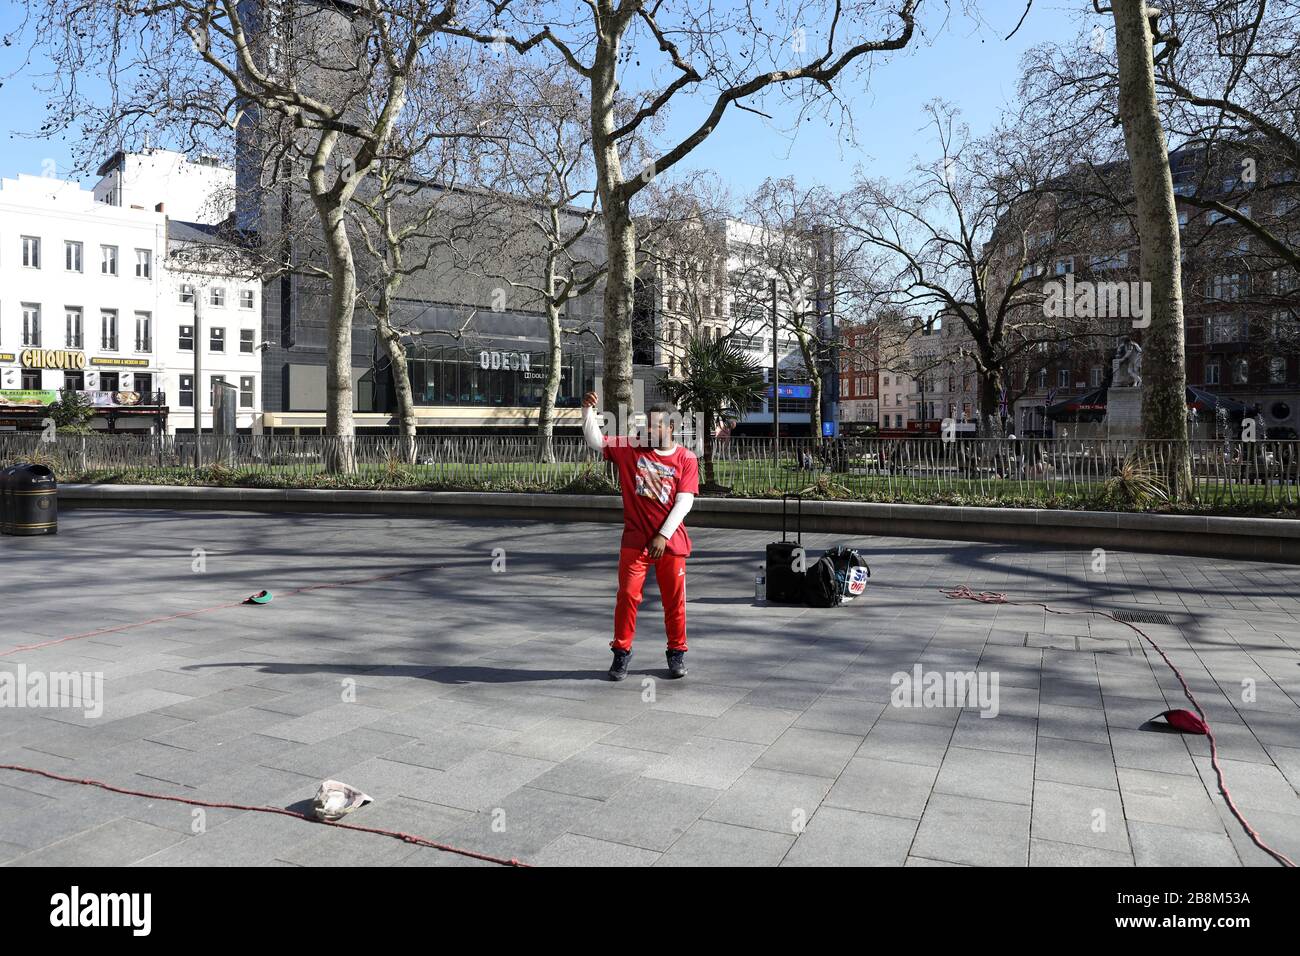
717 377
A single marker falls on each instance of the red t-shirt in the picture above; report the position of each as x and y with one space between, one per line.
650 483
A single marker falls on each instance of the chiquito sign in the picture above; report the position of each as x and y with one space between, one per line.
52 358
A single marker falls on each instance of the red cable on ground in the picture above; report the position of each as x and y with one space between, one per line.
997 597
279 811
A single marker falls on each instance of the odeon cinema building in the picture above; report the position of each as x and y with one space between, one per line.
476 338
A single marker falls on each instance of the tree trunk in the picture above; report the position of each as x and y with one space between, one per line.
620 231
340 427
815 380
990 380
1164 402
396 352
546 416
708 448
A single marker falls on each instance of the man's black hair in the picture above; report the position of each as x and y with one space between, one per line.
662 408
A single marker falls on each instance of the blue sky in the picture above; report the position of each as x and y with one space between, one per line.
974 68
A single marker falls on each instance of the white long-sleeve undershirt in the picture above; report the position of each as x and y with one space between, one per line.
681 505
591 429
683 501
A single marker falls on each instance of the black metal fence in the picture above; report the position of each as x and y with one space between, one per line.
974 470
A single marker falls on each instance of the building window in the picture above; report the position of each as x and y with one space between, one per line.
31 252
1212 372
214 383
1064 266
72 318
1226 288
1240 371
187 294
1282 326
72 256
245 298
246 391
1094 376
31 379
1276 370
186 340
75 381
217 296
31 324
109 381
108 330
187 391
144 387
1042 378
1224 328
108 260
216 339
143 264
246 340
1063 378
1117 260
143 332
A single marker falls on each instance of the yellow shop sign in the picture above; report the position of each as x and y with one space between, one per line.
123 362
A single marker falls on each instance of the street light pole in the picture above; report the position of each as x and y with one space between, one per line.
776 393
198 371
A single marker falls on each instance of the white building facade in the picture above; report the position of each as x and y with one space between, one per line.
88 302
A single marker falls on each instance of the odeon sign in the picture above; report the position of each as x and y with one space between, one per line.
511 361
52 358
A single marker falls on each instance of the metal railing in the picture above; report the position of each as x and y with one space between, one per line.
1263 474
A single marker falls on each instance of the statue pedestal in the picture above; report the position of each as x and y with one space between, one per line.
1124 412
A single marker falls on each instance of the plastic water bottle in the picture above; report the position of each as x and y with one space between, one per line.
760 585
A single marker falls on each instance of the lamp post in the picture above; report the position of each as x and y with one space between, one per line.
198 370
776 391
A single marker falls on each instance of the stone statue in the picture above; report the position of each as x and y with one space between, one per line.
1126 367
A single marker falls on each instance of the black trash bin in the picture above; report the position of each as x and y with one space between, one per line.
33 501
4 496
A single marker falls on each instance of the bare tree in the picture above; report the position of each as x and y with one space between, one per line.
542 164
790 241
423 206
319 87
726 54
977 235
1164 404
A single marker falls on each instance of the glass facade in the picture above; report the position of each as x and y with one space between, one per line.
496 376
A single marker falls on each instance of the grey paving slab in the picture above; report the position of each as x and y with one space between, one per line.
454 698
1083 816
973 831
770 800
840 837
1157 845
884 787
987 775
707 762
709 843
1075 761
819 753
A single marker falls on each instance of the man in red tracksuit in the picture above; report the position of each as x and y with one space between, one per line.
659 479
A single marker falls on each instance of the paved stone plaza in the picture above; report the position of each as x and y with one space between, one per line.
480 699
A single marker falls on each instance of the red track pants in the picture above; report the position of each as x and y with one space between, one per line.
670 572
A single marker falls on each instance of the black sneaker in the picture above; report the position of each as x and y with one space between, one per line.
676 664
618 670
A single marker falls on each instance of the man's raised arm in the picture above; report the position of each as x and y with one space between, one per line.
590 426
